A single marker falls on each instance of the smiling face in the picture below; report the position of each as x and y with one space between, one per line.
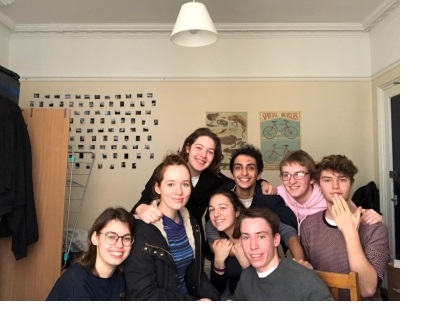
222 213
334 183
110 256
200 154
245 172
259 244
299 189
174 189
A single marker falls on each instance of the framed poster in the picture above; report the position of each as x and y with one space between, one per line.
280 133
231 128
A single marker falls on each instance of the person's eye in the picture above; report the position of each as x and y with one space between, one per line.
112 237
211 152
211 209
186 184
261 237
127 238
300 174
237 168
245 237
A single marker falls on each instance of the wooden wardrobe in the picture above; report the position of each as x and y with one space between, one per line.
32 278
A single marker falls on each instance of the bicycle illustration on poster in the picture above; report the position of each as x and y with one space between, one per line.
280 133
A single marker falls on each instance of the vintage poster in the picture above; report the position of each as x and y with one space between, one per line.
232 128
280 133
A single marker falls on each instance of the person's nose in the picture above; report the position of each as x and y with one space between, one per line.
335 184
119 242
179 190
253 244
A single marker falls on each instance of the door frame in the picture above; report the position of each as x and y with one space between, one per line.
385 93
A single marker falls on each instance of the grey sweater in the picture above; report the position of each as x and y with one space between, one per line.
290 281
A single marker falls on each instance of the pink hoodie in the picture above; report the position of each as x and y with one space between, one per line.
315 204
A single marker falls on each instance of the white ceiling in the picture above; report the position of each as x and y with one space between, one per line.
227 15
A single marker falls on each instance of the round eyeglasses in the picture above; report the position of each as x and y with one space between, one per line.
297 176
112 238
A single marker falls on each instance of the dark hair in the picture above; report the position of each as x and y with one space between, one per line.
218 155
158 173
301 157
258 212
88 258
236 203
251 151
336 163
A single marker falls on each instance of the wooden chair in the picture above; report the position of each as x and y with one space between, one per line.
336 281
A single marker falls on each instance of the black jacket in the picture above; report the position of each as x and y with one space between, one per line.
150 270
198 200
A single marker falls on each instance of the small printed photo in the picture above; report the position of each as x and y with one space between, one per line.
87 112
135 146
121 104
118 96
138 155
40 104
107 113
100 166
81 138
71 104
61 105
155 122
97 112
148 111
111 130
115 138
86 96
122 130
77 96
145 129
126 156
104 156
126 138
113 121
101 104
91 104
112 166
31 103
143 122
133 129
110 104
133 165
97 97
123 164
81 104
102 147
47 96
122 120
67 96
81 120
124 147
128 113
153 102
149 95
107 97
142 103
89 130
137 138
78 130
117 112
114 147
132 120
71 138
139 95
91 120
149 138
132 104
115 155
76 113
71 120
57 96
147 147
152 155
80 147
50 105
101 130
104 138
128 95
36 95
138 113
92 147
93 138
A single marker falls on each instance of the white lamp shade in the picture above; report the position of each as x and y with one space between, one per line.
194 26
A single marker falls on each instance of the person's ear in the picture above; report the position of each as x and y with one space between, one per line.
157 189
95 238
277 240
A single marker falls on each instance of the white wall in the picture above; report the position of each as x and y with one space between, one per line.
4 47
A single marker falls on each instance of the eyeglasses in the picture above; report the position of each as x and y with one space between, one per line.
112 238
297 176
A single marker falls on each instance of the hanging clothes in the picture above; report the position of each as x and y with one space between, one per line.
18 217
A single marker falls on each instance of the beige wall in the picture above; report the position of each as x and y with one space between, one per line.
335 118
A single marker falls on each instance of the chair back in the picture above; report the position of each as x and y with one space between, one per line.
337 281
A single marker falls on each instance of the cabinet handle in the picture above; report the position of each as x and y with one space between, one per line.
396 289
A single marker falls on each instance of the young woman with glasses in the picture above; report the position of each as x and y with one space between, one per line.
97 274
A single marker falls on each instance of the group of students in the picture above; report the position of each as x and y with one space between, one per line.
160 255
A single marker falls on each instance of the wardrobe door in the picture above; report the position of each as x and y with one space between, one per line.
32 277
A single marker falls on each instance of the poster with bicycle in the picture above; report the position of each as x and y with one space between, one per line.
280 133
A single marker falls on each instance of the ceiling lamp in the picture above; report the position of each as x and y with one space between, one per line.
194 26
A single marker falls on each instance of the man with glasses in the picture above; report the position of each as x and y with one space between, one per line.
301 194
246 166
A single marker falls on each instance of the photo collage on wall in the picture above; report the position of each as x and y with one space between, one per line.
114 129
